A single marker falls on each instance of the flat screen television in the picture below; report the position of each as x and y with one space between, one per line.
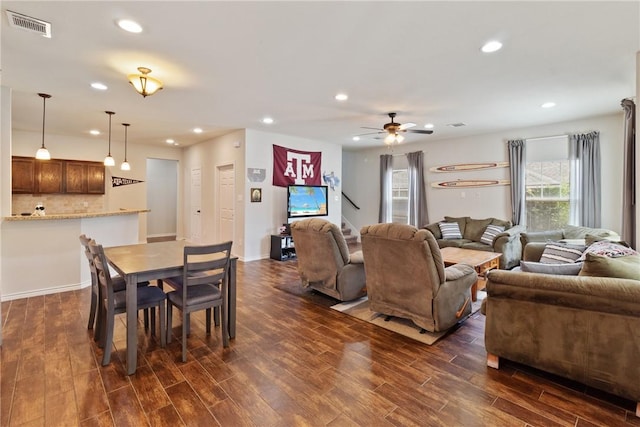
307 200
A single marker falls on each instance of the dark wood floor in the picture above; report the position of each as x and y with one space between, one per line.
294 363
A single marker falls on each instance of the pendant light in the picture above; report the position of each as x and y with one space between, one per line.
108 161
125 165
43 153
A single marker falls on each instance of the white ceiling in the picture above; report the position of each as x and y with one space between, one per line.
225 65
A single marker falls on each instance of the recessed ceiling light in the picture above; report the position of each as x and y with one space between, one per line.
130 26
99 86
175 144
356 138
342 97
94 132
197 130
267 120
491 46
548 105
170 141
429 126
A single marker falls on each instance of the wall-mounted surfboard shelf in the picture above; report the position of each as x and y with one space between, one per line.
461 183
461 167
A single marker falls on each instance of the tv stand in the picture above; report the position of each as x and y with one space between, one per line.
282 247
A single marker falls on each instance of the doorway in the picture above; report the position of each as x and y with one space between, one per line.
162 199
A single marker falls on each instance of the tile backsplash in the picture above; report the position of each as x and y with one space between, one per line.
57 203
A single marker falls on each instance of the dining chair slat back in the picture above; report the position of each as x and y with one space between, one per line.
202 286
114 302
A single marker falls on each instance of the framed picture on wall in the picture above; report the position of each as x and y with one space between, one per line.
256 195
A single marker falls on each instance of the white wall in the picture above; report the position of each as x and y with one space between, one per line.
132 196
208 156
264 218
361 172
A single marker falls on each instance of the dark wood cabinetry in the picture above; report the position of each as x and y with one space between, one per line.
31 176
23 175
49 175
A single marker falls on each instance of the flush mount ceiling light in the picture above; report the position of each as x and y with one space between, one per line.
492 46
43 153
267 120
108 161
94 132
342 97
99 86
429 126
125 165
130 26
144 84
548 105
197 130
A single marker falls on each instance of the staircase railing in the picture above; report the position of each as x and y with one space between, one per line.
350 201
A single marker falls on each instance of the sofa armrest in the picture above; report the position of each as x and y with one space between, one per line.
509 245
533 251
457 271
356 258
597 294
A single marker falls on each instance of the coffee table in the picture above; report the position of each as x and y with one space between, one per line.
481 261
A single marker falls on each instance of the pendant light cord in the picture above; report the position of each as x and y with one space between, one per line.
110 114
44 106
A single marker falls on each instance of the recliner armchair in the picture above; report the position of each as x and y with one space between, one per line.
406 277
324 262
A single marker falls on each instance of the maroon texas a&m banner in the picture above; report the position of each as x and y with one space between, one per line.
296 167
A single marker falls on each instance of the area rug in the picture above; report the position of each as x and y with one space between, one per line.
308 294
360 309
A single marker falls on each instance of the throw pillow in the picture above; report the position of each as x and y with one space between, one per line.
561 253
571 269
609 249
623 267
490 233
450 230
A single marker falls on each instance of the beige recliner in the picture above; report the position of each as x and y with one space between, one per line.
406 277
324 262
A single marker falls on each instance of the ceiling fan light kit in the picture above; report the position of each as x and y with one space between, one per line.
144 84
394 129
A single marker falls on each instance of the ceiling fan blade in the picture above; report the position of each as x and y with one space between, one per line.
407 126
369 133
365 127
426 132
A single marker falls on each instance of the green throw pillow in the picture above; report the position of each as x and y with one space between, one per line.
624 267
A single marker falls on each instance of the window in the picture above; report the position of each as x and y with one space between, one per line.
548 183
400 196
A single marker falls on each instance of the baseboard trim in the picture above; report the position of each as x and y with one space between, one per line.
45 291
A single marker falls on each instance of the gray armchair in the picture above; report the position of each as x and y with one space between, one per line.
406 277
324 262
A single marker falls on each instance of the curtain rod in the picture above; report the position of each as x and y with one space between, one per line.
546 137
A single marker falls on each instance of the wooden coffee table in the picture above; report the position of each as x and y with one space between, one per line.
481 261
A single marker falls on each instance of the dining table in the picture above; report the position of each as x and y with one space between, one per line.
156 261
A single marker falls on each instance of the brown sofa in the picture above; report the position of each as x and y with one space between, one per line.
324 261
579 327
507 243
533 242
406 277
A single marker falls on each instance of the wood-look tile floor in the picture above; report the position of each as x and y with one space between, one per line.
293 363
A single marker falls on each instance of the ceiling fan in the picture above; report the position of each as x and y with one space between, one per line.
394 130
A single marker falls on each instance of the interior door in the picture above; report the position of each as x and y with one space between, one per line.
196 204
226 206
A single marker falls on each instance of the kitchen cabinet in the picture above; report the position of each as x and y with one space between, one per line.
31 176
23 175
49 176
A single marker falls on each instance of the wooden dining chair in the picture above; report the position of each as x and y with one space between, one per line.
202 286
119 284
114 302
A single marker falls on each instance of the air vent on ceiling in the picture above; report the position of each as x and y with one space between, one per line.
28 23
456 125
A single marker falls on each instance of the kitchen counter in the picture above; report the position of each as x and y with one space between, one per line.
74 215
